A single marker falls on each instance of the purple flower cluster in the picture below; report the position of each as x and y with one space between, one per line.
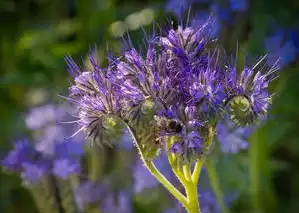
33 164
183 85
51 153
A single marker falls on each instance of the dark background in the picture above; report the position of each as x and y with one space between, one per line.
35 35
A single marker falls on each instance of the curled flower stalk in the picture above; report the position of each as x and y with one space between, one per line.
171 98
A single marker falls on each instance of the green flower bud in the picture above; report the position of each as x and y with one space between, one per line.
240 111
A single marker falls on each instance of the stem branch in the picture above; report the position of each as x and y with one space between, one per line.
156 173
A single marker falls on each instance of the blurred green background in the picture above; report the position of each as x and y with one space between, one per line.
37 34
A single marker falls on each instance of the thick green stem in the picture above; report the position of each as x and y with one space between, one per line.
215 184
192 194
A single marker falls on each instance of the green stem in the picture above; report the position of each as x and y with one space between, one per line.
255 155
160 177
174 164
215 184
95 164
196 171
157 174
192 194
187 172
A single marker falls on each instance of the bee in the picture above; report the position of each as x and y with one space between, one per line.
168 125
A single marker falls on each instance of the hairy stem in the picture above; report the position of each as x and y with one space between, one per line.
175 166
160 177
157 174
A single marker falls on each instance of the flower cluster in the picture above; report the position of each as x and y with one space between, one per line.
51 154
171 96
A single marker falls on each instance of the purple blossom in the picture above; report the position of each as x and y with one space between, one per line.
43 115
22 153
68 149
208 202
64 167
189 86
94 97
278 49
203 17
33 164
33 172
119 203
178 7
190 148
239 5
250 92
51 153
87 193
232 138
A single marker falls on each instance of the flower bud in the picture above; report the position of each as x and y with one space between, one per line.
240 111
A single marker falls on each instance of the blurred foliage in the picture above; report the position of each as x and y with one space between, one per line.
37 34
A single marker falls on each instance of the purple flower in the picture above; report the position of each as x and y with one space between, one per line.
178 7
50 135
180 88
33 172
232 138
282 51
238 5
248 97
64 167
94 97
190 148
43 115
33 164
69 149
202 18
208 202
119 203
87 193
22 153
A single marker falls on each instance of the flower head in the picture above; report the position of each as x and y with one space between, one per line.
248 97
179 90
94 97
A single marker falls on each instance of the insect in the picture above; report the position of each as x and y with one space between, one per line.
168 125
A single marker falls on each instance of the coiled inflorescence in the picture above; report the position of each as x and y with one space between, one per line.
179 89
